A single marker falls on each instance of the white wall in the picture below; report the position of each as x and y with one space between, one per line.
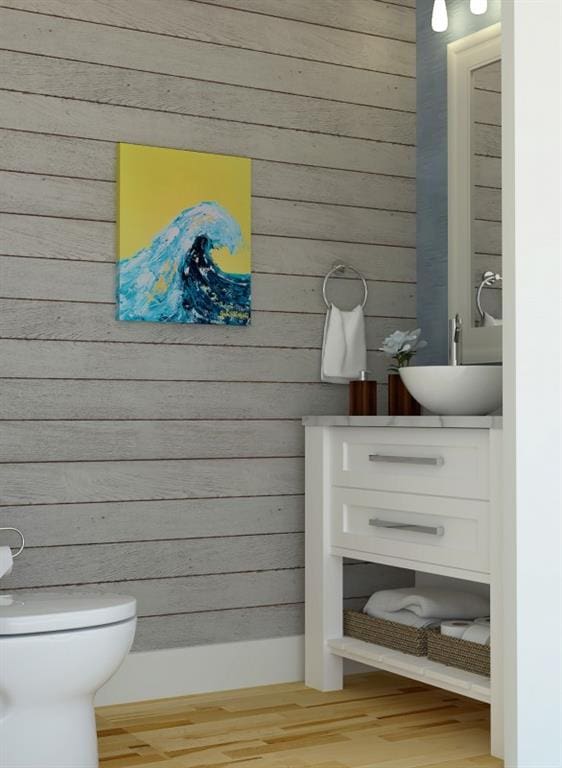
532 206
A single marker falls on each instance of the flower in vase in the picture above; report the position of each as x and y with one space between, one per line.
401 346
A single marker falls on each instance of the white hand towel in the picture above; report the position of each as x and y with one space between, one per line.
431 602
407 618
6 561
344 351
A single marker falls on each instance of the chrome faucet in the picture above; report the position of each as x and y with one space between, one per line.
455 330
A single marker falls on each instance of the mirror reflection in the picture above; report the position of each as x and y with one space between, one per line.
485 171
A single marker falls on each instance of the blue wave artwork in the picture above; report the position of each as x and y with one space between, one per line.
176 280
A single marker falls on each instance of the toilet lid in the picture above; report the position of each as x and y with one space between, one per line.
31 612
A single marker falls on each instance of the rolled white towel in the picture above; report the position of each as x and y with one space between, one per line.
429 602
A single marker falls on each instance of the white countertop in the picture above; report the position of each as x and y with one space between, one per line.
448 422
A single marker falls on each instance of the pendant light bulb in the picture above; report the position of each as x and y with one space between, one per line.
478 7
439 19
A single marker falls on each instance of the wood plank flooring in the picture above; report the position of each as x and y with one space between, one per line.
377 720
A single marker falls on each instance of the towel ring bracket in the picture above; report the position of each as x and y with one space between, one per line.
341 268
22 540
489 278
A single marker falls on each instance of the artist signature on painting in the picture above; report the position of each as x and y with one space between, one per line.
232 313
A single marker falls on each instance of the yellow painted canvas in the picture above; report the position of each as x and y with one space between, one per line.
184 241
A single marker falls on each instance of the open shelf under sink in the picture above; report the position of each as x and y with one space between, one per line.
414 667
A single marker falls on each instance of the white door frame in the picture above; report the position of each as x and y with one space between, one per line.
532 342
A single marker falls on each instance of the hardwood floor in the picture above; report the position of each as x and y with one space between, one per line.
377 720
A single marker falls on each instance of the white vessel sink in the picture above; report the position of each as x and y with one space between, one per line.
461 390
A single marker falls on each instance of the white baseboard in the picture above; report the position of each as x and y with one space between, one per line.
208 668
205 668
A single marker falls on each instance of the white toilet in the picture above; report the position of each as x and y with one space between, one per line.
56 651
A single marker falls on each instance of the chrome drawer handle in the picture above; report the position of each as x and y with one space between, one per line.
432 530
434 461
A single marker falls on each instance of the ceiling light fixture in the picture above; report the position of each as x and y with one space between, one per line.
439 18
478 7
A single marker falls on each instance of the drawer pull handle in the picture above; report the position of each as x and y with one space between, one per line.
432 530
434 461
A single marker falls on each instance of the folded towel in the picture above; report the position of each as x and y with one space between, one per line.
344 350
429 602
407 618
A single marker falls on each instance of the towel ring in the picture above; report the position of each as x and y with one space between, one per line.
488 278
342 268
20 534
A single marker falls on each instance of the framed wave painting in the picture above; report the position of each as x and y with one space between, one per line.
184 236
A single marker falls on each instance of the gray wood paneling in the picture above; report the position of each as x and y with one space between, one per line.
195 21
49 114
153 439
50 566
106 523
108 85
488 237
120 440
489 77
487 204
482 262
487 140
164 460
373 18
209 63
42 398
488 172
185 629
83 481
487 107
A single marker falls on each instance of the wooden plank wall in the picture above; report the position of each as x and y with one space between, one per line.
167 461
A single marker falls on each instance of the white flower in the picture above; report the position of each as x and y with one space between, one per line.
400 342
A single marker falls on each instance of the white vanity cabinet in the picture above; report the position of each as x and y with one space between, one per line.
421 493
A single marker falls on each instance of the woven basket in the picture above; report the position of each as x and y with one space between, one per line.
472 657
388 633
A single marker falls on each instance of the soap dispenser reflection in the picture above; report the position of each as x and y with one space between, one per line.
363 396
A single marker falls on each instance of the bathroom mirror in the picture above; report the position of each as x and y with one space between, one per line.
474 193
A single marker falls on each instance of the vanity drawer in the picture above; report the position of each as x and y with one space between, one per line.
440 462
418 529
